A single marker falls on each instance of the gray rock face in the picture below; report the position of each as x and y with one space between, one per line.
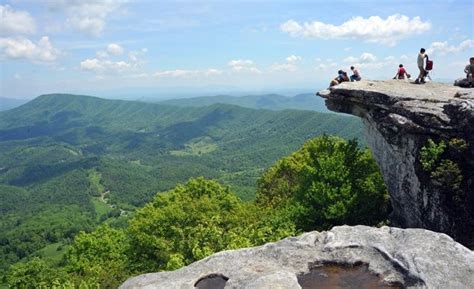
400 258
399 119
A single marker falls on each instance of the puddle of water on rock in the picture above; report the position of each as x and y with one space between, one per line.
335 276
213 281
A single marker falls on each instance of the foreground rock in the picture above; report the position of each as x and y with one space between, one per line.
397 258
433 191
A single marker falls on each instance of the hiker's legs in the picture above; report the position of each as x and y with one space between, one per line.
353 78
421 76
470 78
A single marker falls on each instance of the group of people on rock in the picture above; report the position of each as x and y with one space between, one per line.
424 66
342 76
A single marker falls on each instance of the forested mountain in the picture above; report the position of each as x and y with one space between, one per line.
306 101
69 162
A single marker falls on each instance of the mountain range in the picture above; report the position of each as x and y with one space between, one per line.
70 162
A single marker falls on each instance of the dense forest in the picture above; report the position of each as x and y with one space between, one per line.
69 163
328 181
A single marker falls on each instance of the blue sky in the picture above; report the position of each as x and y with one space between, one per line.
144 47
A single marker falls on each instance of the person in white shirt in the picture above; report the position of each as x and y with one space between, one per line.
355 74
421 64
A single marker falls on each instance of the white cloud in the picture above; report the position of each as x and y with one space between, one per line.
114 49
187 73
404 57
102 54
87 16
288 67
348 49
240 65
293 58
137 55
176 73
15 22
318 59
212 71
20 47
389 58
102 66
139 75
373 29
321 66
367 57
444 47
363 58
351 59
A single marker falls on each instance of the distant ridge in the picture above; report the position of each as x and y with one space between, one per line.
9 103
306 101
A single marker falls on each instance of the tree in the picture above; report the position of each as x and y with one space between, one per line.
36 274
195 220
99 257
328 182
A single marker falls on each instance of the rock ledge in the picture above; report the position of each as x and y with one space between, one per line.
400 118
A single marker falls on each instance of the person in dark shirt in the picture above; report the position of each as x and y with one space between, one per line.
341 77
469 70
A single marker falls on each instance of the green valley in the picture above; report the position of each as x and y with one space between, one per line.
69 162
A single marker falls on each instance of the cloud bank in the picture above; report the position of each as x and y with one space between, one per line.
373 29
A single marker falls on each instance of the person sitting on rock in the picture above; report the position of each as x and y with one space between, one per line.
421 64
341 77
356 75
469 70
401 73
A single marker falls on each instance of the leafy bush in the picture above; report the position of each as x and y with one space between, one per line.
36 274
327 182
430 154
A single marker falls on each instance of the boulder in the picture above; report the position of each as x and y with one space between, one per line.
351 257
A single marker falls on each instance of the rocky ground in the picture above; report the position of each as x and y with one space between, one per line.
400 258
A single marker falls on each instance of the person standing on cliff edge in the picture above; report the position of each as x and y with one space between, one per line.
469 70
421 65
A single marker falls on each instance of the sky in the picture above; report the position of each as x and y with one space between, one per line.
133 48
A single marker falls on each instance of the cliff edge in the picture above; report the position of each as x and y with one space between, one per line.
422 137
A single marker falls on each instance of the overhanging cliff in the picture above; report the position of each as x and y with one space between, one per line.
422 137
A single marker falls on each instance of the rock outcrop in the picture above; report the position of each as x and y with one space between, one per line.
422 137
380 257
